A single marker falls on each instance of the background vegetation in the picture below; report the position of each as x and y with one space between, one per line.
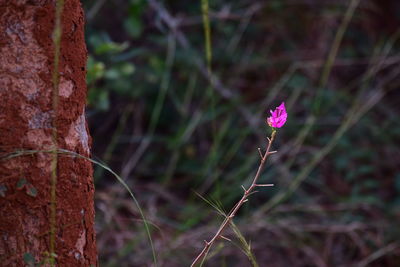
171 130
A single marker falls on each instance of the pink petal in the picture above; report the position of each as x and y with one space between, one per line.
278 116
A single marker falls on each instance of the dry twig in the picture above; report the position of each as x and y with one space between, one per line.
246 194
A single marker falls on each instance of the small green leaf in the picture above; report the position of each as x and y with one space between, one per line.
21 183
99 99
110 47
127 69
54 255
133 26
112 74
95 70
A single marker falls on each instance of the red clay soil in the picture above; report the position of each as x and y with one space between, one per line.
26 119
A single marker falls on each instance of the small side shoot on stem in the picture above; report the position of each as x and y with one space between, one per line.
276 120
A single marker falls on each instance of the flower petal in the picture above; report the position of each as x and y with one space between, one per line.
278 116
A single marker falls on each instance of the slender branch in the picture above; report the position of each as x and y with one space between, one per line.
259 151
232 213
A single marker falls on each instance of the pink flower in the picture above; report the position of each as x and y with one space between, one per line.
278 117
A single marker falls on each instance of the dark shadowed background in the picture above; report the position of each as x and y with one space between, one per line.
174 132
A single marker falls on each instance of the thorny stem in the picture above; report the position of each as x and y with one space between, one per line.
246 194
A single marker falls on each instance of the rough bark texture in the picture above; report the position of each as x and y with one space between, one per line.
26 65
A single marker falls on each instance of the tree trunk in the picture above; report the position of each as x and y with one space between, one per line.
26 119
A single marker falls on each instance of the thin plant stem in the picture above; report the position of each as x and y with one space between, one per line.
57 32
236 207
326 71
114 141
207 32
208 49
155 116
165 81
377 254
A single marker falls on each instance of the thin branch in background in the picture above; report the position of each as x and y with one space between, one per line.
311 253
207 33
155 116
378 254
114 140
189 123
326 71
382 62
94 9
208 51
187 133
226 159
171 22
312 118
245 20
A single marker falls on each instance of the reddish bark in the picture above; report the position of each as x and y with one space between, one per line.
26 65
